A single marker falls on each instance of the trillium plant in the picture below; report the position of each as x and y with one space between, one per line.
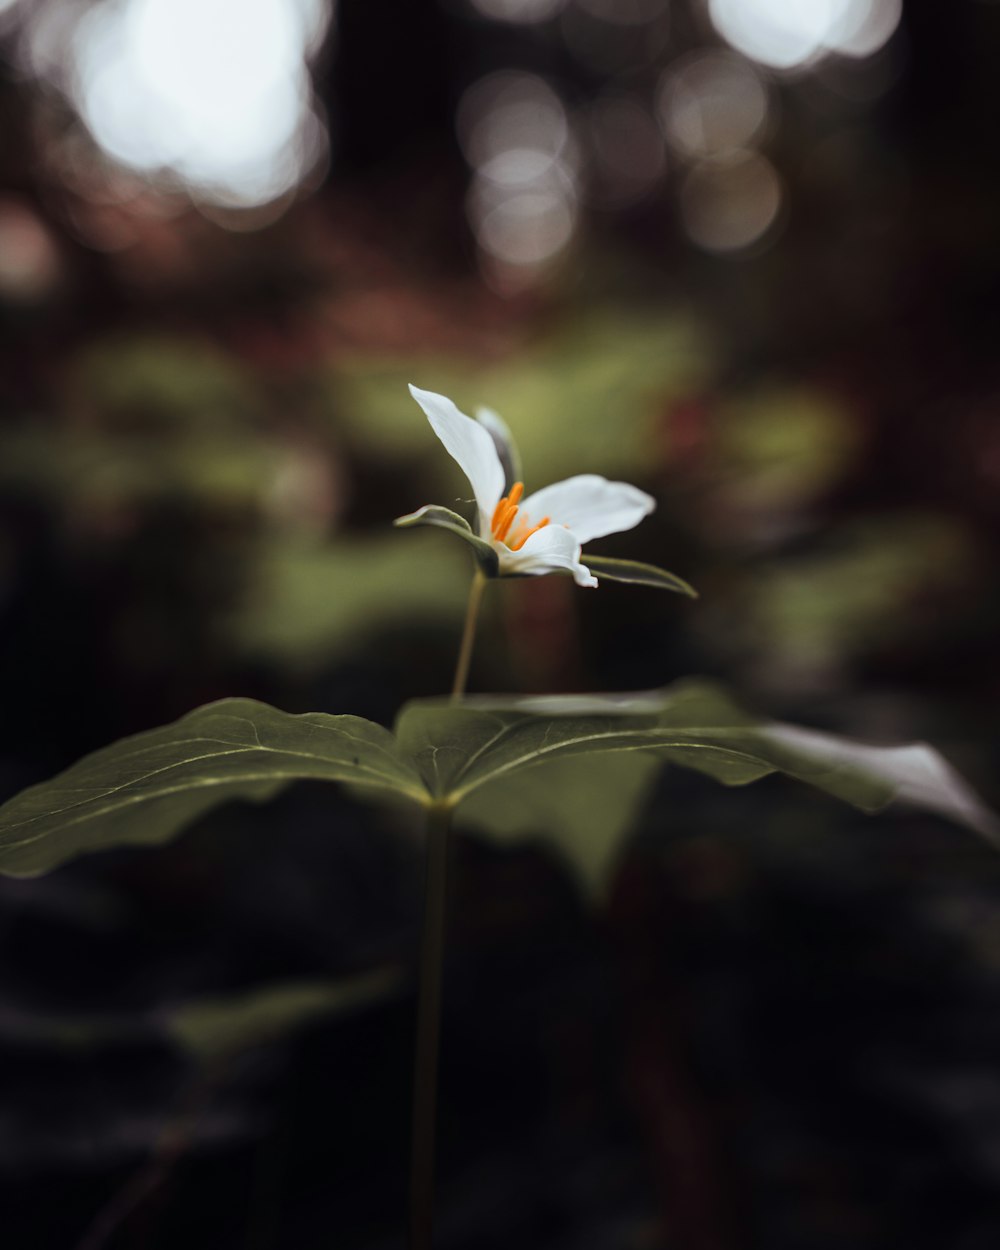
481 755
528 536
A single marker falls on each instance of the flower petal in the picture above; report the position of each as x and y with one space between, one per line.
471 445
590 505
549 550
505 445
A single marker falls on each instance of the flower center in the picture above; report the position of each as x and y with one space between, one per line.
505 514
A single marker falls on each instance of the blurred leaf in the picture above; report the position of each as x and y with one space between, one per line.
878 582
585 399
917 774
148 787
91 469
211 1027
433 514
581 806
215 1028
637 574
311 601
779 447
152 379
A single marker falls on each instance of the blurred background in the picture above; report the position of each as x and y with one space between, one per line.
743 253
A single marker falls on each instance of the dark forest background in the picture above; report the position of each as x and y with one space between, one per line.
774 1022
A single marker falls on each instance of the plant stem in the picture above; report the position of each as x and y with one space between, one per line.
428 1030
468 634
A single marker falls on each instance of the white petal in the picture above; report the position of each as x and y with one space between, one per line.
549 550
469 443
590 505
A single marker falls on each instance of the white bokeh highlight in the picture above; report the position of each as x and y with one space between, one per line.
788 34
710 103
522 203
524 12
215 92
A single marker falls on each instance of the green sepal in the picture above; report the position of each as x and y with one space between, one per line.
444 518
637 574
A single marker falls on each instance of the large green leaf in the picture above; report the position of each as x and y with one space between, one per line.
459 749
148 787
581 806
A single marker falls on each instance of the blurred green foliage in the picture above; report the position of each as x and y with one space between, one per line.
147 380
585 398
865 589
313 601
213 1029
145 420
781 446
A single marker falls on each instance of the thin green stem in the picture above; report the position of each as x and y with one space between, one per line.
468 634
428 1031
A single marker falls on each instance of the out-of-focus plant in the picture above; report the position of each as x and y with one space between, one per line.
488 758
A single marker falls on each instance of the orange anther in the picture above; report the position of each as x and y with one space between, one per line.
506 521
522 535
505 511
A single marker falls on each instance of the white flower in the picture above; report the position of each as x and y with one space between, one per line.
527 534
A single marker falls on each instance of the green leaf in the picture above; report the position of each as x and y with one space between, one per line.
146 788
460 748
211 1027
312 602
582 806
637 574
215 1028
444 518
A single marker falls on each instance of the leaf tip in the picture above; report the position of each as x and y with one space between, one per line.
408 519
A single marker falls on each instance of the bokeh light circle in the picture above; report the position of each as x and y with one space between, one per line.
730 204
710 103
787 34
515 134
526 12
214 92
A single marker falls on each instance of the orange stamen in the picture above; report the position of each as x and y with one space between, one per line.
505 512
506 521
522 535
